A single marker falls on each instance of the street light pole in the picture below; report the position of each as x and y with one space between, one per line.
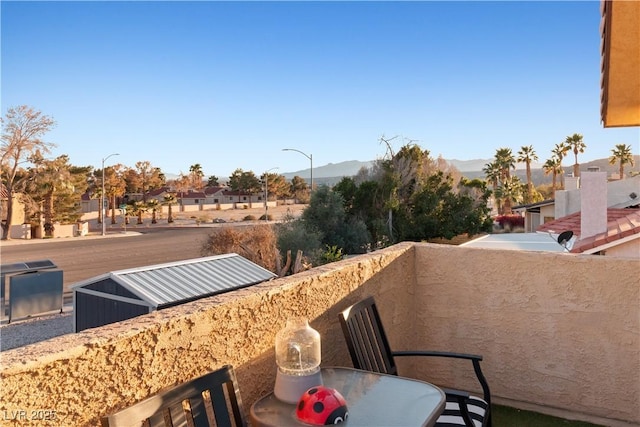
308 156
103 210
266 193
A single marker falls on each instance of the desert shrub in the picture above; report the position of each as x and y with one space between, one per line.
293 236
249 218
256 243
269 217
332 254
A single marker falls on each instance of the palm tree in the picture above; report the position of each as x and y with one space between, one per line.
552 166
153 205
492 172
528 155
574 143
511 192
196 175
505 161
139 208
622 154
169 200
560 150
49 178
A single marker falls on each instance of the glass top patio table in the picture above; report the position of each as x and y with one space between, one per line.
372 399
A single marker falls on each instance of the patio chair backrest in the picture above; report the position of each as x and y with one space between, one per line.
365 337
210 400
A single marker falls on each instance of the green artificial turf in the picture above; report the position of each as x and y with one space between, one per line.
504 416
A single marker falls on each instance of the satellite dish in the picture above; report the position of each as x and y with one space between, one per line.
564 238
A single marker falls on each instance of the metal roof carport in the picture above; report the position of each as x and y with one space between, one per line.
123 294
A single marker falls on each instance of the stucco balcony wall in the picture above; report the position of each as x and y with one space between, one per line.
555 330
558 332
85 375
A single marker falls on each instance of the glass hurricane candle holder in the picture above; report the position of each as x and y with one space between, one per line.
298 357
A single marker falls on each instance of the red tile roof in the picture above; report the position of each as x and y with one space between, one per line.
621 223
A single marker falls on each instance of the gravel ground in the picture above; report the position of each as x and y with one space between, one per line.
35 329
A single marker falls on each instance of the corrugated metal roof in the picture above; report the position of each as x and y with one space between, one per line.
172 283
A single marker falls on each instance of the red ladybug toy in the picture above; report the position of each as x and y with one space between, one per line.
321 406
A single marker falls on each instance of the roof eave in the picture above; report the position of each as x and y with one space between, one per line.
620 63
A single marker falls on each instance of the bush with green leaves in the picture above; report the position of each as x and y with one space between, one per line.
332 254
293 236
326 215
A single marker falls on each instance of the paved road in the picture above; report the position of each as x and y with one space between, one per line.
81 259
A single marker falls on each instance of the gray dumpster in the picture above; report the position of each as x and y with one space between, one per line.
35 287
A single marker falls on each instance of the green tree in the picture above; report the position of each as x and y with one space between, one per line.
505 161
299 189
510 191
438 211
244 182
278 186
213 181
143 178
553 166
410 197
560 151
293 236
326 215
347 188
492 172
370 205
621 154
526 155
400 175
574 143
22 130
50 180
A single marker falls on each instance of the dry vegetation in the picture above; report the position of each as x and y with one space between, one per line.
256 243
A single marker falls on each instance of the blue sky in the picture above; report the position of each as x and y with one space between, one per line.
230 84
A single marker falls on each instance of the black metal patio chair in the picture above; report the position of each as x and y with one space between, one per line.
370 350
210 400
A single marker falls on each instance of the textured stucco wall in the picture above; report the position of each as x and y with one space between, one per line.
557 330
629 249
83 376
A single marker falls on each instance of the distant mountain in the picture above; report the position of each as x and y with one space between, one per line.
332 173
469 165
332 170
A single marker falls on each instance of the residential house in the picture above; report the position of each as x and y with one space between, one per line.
215 195
536 214
598 229
620 194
